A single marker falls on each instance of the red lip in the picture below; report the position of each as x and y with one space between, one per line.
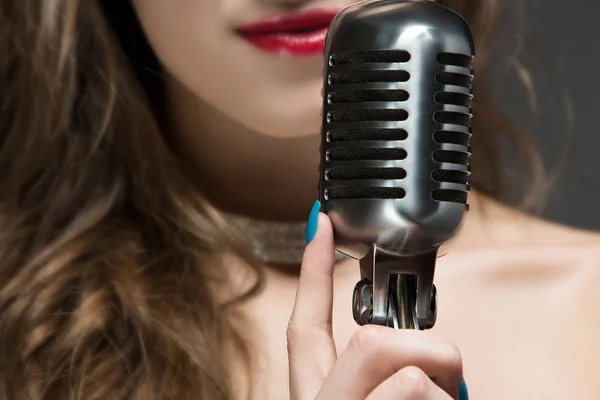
295 34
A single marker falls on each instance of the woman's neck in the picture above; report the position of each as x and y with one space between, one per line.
274 179
239 170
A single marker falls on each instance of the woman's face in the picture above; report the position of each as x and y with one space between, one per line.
258 62
241 75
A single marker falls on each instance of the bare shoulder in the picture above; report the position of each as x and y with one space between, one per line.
504 228
542 232
531 288
509 254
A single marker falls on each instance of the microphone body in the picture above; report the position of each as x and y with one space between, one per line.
394 171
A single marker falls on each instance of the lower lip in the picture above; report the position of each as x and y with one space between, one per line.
301 44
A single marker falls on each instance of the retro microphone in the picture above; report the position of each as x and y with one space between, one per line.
394 170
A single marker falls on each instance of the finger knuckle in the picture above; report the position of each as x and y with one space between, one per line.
413 383
452 356
367 339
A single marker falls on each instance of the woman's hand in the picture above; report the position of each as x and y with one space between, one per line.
380 363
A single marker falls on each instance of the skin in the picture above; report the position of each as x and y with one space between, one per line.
517 313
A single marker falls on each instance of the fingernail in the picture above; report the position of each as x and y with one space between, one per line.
463 393
313 221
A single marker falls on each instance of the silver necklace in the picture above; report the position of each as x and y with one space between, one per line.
272 242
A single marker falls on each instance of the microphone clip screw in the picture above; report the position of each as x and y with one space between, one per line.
362 302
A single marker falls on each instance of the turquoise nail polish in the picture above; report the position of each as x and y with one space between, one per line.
463 393
313 220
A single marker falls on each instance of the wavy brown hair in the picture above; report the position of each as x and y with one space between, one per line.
107 252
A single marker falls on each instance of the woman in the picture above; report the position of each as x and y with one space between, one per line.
121 280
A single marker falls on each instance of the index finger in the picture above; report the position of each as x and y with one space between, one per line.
311 347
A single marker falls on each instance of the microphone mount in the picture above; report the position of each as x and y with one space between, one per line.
396 290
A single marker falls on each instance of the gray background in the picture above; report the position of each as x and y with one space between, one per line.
561 47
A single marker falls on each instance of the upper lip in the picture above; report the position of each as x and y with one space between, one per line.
290 23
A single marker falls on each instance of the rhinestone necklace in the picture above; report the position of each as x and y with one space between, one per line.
273 242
